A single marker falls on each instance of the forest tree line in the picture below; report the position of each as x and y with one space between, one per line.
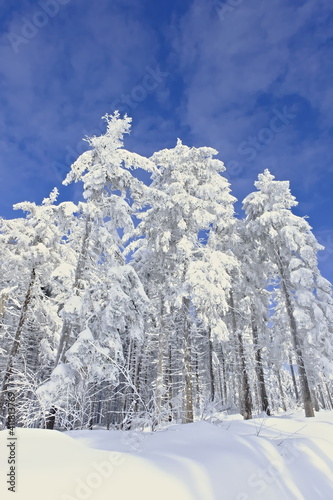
146 304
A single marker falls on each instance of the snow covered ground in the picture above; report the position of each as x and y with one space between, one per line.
277 458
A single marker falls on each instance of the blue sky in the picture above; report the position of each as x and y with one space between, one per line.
251 78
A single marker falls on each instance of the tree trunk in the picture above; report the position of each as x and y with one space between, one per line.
224 376
197 381
306 394
329 395
188 389
315 400
293 377
219 384
259 370
67 326
3 302
170 383
245 385
283 401
210 366
50 418
160 366
17 338
64 337
137 369
321 396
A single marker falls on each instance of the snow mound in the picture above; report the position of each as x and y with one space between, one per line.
286 457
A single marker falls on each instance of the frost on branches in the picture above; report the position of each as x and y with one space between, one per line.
152 303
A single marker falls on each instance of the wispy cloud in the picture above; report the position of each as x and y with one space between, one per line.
255 58
56 87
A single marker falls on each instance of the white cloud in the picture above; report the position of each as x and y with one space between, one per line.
259 49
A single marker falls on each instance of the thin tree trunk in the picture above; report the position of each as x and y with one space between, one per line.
197 380
224 375
188 389
306 394
245 385
259 370
64 338
329 395
3 302
160 366
283 401
315 400
245 381
322 399
92 407
210 366
219 385
138 362
293 377
170 383
17 338
50 418
67 326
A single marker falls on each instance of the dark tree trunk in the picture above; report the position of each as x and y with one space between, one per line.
50 418
329 395
188 389
17 338
321 396
306 394
245 385
160 365
210 366
260 371
197 381
283 401
293 377
315 400
170 383
224 377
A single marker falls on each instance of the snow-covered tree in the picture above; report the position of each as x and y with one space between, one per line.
106 304
291 248
145 303
32 247
187 280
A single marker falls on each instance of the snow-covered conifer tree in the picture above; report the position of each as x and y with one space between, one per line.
291 248
106 304
32 247
187 280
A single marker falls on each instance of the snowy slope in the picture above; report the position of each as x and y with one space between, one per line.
285 457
